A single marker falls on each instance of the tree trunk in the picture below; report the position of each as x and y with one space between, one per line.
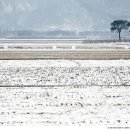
119 35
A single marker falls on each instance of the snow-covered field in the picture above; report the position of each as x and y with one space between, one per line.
65 92
64 72
61 44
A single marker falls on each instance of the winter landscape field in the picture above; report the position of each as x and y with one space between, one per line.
44 91
65 63
65 92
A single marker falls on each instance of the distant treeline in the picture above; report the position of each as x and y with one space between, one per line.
59 34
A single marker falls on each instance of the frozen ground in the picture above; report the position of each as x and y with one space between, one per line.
65 72
63 92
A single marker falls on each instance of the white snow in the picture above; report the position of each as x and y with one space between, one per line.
65 72
79 92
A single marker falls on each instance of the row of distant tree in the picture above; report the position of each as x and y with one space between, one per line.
119 25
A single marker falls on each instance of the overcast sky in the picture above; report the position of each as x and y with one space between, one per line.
73 15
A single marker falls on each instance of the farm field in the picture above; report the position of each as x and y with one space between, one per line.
65 92
65 63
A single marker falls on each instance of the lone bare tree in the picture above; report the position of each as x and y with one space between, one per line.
119 25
